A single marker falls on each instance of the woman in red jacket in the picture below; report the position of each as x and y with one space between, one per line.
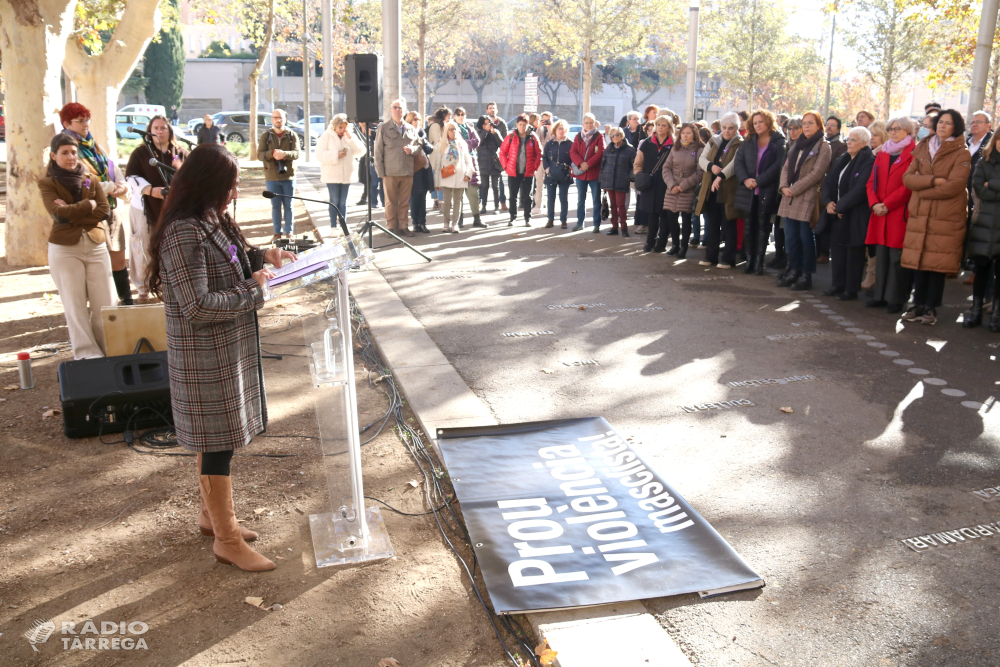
586 154
520 154
889 198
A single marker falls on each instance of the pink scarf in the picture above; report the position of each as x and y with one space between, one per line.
893 148
935 144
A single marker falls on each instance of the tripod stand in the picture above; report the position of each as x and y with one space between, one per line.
370 224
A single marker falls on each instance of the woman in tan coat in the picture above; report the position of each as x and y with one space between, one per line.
935 230
717 198
808 159
682 176
78 251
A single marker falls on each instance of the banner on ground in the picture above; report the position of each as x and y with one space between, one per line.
567 514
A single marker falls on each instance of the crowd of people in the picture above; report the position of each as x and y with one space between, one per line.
895 207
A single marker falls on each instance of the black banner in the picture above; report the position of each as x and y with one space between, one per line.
567 514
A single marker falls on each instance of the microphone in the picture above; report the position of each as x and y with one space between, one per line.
153 162
267 194
137 131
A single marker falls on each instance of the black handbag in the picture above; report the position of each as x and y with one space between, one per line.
558 173
644 181
497 166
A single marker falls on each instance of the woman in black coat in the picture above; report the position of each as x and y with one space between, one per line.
983 243
845 194
490 169
649 160
616 172
758 172
556 161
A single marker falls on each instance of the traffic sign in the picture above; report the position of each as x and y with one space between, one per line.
271 94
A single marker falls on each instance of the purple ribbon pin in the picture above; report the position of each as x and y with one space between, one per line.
86 183
232 252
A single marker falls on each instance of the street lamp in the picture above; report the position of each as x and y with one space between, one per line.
282 68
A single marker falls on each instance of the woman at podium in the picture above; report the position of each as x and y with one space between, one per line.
211 281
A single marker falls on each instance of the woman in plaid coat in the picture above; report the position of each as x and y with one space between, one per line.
211 282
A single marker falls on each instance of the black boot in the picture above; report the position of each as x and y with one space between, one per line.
682 253
123 287
995 315
478 222
805 282
780 260
749 268
789 277
760 250
974 317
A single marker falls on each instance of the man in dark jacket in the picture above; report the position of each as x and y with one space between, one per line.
500 128
209 132
837 148
979 138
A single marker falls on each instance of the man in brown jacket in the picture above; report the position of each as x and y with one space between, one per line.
79 261
395 143
279 148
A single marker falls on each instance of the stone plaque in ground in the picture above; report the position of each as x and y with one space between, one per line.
720 405
635 310
585 362
578 306
758 383
522 334
798 335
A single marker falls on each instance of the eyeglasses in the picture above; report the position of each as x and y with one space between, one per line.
894 128
979 122
81 121
397 107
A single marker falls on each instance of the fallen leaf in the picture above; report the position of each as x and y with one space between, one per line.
299 510
276 607
254 602
387 662
280 557
548 370
12 387
51 413
788 410
572 271
546 656
414 483
260 510
583 308
130 481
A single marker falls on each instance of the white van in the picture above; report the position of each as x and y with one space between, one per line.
144 109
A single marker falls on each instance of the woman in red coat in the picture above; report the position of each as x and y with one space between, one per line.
520 155
585 156
889 198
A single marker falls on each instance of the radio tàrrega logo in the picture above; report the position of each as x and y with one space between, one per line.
39 633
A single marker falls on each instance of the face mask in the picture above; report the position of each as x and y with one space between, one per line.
923 132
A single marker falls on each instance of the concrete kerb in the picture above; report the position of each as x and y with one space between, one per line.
621 634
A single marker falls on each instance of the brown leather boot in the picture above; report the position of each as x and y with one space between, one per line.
205 524
229 547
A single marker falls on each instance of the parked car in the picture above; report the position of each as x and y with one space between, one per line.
316 126
149 110
125 120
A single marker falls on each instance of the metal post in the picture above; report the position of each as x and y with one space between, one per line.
984 49
829 69
692 64
306 74
392 62
354 443
327 60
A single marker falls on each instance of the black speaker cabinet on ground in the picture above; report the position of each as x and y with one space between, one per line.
363 87
112 394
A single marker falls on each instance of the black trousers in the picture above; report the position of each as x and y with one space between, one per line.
985 277
520 185
718 229
678 236
848 266
484 191
928 288
824 240
657 229
892 281
751 231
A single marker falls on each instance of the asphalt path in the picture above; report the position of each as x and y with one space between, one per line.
887 443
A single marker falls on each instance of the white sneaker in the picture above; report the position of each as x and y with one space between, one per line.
704 262
723 266
536 210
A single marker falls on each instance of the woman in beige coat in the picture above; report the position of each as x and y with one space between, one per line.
935 230
682 175
801 177
717 198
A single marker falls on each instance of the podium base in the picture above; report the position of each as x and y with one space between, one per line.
332 534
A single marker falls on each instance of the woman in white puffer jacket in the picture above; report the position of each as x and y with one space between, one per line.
337 150
451 156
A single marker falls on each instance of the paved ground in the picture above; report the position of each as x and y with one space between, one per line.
886 443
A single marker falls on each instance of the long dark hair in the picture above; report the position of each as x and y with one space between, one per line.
200 190
170 128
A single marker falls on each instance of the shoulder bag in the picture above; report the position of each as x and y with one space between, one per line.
644 181
447 171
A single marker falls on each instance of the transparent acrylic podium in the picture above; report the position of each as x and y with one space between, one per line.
350 532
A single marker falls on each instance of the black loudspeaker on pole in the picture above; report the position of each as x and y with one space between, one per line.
363 87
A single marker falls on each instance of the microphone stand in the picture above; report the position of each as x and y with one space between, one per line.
369 223
343 220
